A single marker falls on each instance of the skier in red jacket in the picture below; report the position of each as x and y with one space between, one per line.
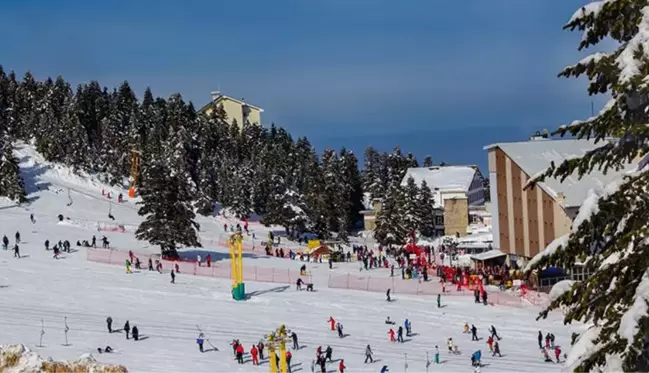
333 323
391 333
341 366
253 353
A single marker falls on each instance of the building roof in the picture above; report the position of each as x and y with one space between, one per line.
444 178
491 254
534 156
217 96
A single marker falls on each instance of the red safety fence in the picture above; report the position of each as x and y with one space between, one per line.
538 299
253 274
287 276
413 287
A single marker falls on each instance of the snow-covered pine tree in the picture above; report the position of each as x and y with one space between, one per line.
4 102
609 233
167 193
428 161
75 140
390 229
372 183
11 183
241 190
410 209
29 95
352 194
426 210
333 193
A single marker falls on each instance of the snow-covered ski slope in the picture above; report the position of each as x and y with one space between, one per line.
39 288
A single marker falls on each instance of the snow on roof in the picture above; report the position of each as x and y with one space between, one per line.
535 156
445 178
491 254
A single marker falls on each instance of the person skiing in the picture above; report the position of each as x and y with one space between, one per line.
368 354
540 338
260 348
436 355
439 301
173 277
339 328
5 242
127 263
490 342
332 322
16 251
400 334
496 349
391 333
109 324
239 351
387 295
298 284
328 353
384 369
475 358
408 327
127 328
296 346
557 353
494 333
474 333
253 353
56 252
466 327
135 332
341 366
17 237
199 342
31 217
546 355
450 344
289 356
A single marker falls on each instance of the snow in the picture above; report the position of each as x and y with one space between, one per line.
627 63
18 359
43 289
549 250
445 178
559 289
630 319
591 8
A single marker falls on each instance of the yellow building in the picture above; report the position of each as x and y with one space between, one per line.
238 110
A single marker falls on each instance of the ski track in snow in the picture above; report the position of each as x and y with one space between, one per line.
38 287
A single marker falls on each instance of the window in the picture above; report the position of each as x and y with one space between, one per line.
439 220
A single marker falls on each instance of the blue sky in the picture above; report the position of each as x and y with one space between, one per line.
436 77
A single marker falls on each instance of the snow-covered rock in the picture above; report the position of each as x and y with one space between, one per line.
17 358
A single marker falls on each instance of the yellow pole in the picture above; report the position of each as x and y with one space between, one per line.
240 269
282 356
234 263
273 362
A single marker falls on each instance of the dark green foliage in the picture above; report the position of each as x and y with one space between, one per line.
11 183
609 235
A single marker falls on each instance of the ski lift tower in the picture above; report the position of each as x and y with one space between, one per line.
135 172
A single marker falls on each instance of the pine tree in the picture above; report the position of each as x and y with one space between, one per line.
428 161
608 235
167 193
426 210
11 183
390 229
411 209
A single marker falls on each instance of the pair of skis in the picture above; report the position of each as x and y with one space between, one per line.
206 339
